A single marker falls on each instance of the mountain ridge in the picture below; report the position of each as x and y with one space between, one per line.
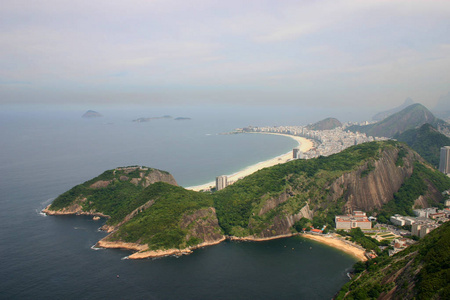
410 117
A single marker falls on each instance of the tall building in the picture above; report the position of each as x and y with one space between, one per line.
295 153
444 163
221 182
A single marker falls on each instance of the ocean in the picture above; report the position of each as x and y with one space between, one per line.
47 151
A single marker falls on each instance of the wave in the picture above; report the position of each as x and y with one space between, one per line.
96 248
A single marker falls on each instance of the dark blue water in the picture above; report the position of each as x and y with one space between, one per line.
45 153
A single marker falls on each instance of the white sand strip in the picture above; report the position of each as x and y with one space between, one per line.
304 144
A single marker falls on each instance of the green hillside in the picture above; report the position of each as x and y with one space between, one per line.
426 140
326 124
112 193
421 271
145 207
172 220
238 205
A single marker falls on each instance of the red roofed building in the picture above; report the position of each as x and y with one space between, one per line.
357 219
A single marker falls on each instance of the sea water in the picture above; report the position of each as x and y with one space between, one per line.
46 152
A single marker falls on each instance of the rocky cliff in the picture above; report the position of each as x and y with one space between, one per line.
366 177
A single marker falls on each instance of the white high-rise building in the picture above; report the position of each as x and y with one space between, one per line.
444 163
221 182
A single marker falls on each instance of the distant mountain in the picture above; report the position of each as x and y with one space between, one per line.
411 117
326 124
182 118
442 108
384 114
418 272
426 140
91 114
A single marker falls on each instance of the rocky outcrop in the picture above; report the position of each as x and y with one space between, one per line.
100 184
377 187
203 225
146 178
368 187
111 228
74 209
282 224
274 202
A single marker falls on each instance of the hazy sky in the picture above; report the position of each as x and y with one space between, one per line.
317 53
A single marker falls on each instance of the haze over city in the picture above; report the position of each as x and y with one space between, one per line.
346 54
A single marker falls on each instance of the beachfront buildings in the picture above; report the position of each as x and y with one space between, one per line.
326 142
221 182
356 219
444 163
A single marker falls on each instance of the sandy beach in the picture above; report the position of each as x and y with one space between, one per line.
339 244
303 143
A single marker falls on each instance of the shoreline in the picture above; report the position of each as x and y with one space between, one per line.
143 252
338 244
303 143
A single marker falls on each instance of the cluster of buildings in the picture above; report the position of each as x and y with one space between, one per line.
356 219
400 244
425 220
327 142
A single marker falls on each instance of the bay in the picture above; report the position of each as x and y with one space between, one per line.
44 153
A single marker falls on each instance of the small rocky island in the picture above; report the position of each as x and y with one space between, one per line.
91 114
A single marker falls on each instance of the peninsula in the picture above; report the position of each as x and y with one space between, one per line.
147 212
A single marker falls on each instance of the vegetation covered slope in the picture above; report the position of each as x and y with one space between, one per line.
175 219
112 193
426 140
411 117
422 189
366 176
144 208
326 124
421 271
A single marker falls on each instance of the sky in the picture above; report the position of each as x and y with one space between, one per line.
337 53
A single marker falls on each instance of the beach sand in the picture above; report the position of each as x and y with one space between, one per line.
303 143
338 243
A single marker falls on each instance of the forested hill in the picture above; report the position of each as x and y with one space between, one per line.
421 271
411 117
326 124
145 207
426 140
380 177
